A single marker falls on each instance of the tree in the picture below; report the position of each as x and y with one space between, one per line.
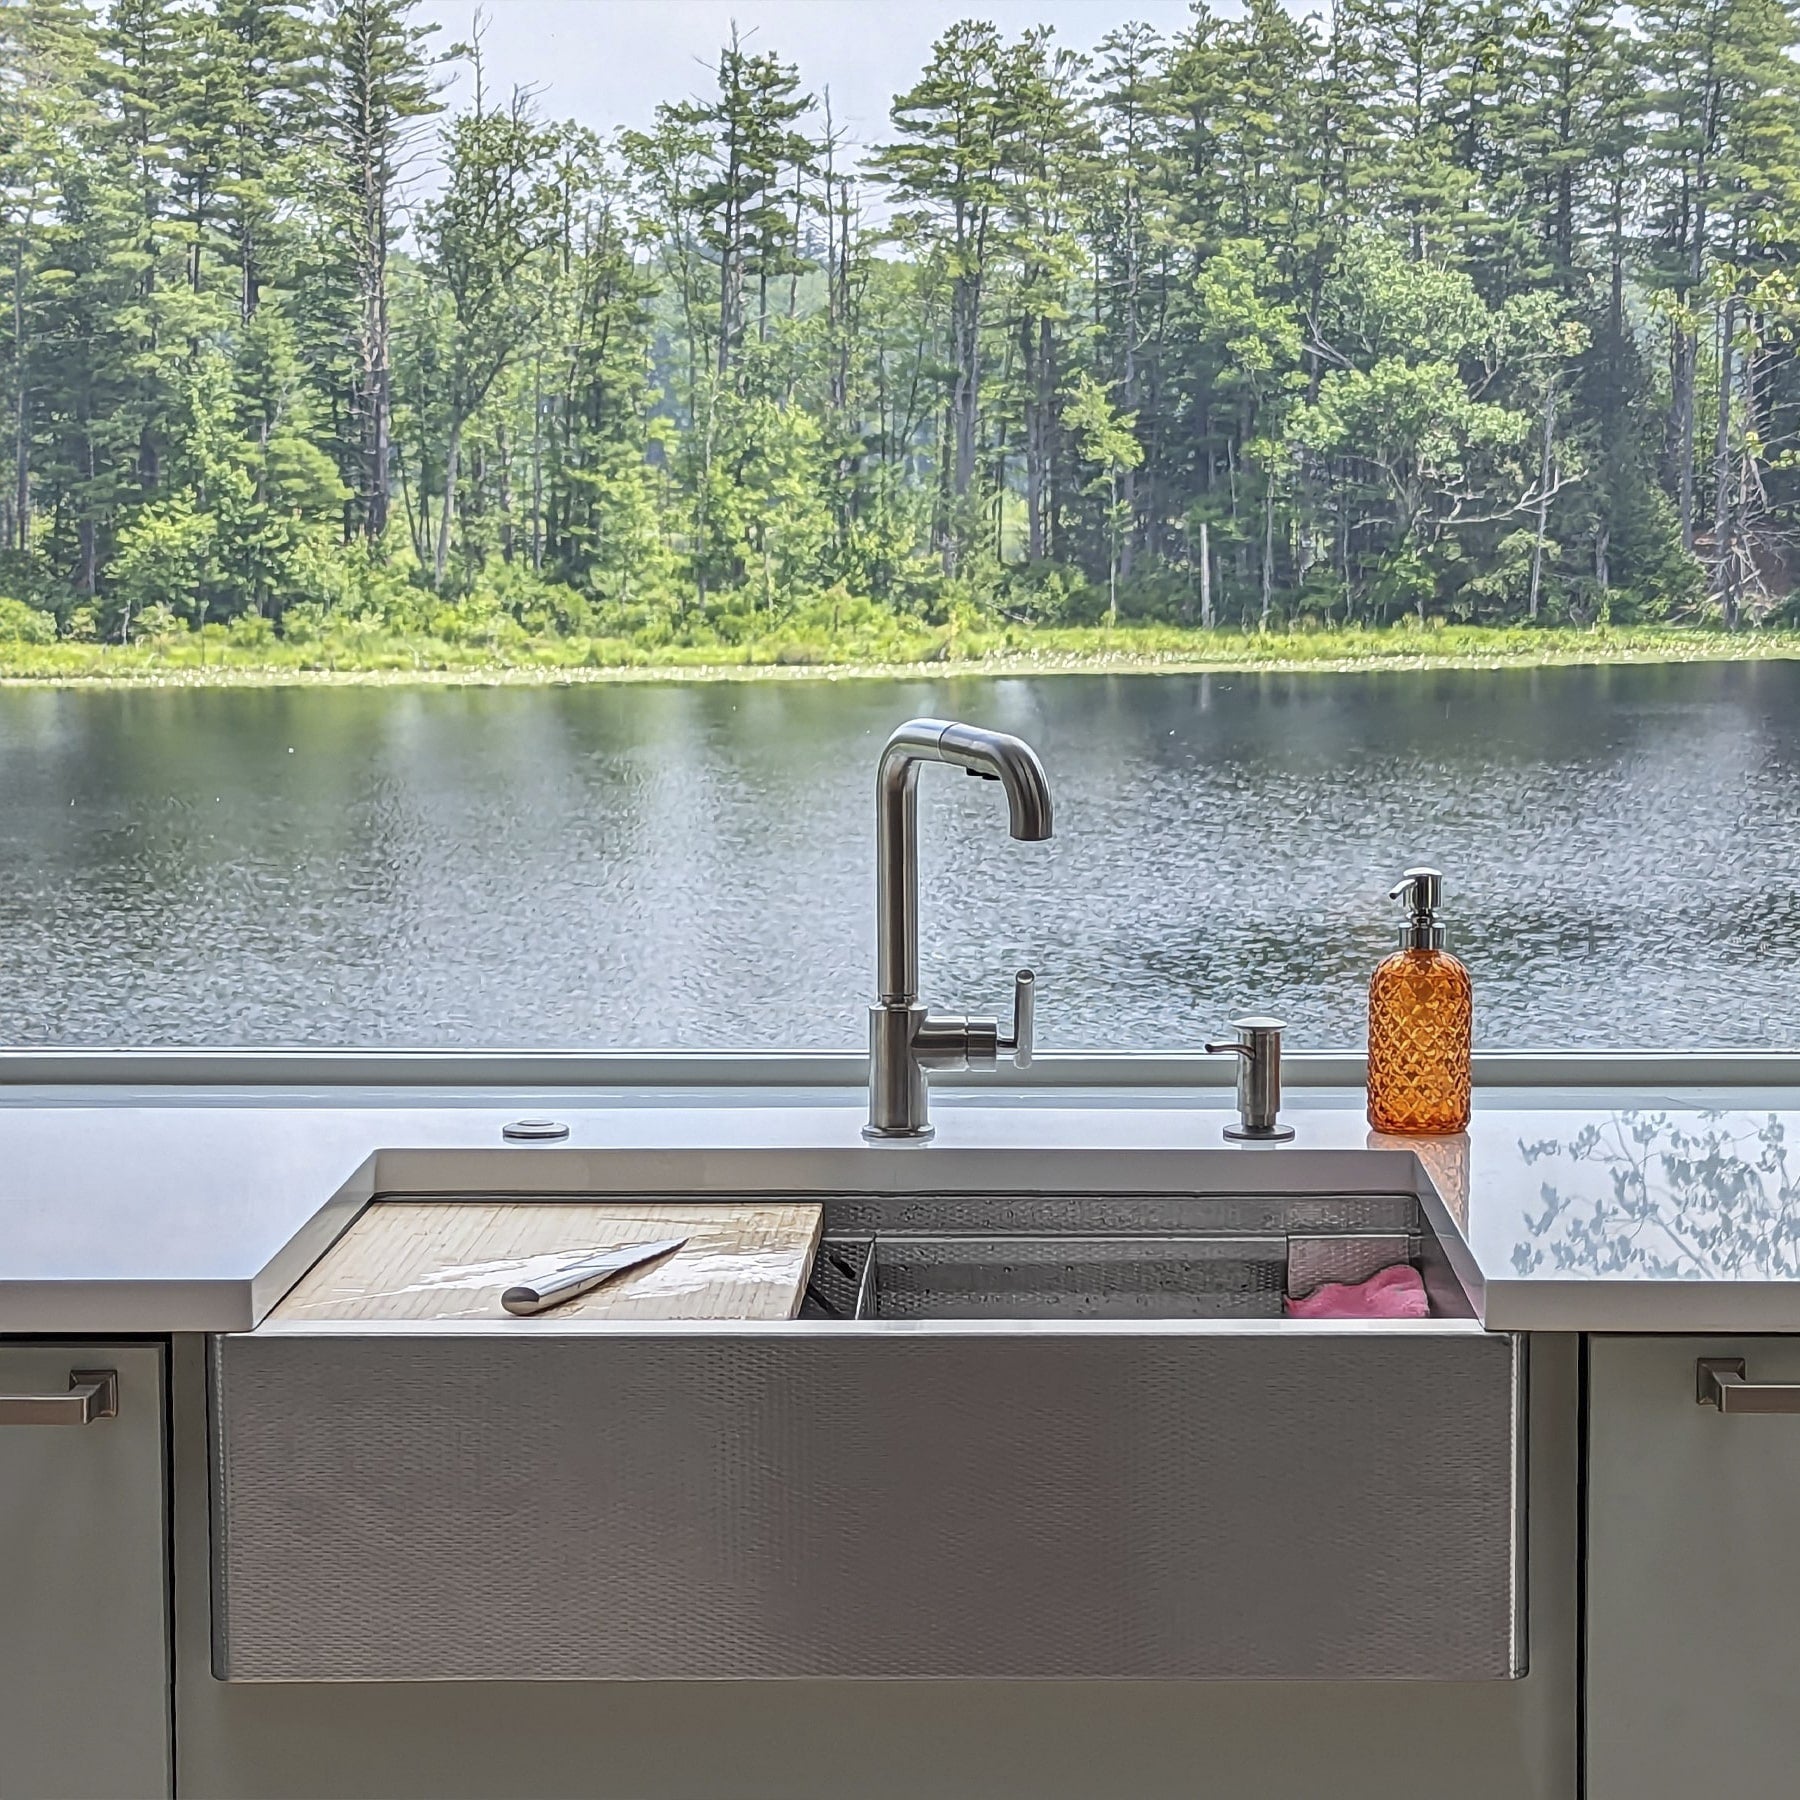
1723 170
248 110
1243 315
479 241
1436 304
594 514
1411 350
46 74
1108 438
1412 49
751 172
114 301
946 172
379 88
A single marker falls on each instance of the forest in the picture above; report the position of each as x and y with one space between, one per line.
1460 312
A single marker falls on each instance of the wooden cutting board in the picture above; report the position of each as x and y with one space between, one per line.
451 1259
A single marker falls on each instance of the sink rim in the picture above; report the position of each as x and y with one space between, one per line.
545 1171
759 1330
548 1172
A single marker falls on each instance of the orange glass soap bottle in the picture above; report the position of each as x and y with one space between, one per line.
1420 1020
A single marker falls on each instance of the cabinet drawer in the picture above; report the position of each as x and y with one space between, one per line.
1229 1499
84 1653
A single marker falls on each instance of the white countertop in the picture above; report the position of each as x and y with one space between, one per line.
161 1210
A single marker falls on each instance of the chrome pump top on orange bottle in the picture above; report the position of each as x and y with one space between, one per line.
1420 1021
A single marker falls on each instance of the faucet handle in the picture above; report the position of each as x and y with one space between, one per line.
1024 1017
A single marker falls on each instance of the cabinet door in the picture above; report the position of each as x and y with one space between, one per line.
84 1660
1693 1535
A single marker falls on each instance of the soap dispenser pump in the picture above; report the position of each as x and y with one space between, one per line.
1420 1021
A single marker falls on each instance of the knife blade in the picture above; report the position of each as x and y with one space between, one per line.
583 1275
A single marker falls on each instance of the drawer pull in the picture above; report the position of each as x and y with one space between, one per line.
1719 1381
93 1394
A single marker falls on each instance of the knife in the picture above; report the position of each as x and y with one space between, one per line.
574 1279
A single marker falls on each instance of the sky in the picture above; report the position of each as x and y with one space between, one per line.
607 63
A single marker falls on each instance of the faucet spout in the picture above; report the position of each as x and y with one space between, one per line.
1014 764
1009 760
905 1040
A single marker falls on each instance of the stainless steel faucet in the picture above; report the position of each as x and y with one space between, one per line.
905 1040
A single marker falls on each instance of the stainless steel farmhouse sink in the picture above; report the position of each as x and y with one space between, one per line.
1041 1416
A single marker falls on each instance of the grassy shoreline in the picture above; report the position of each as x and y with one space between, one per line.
394 662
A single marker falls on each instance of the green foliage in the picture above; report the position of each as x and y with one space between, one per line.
168 560
1411 315
832 633
1102 434
22 624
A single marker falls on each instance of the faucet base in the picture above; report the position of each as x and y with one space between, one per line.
897 1100
898 1134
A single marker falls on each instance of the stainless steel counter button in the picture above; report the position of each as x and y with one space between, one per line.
530 1131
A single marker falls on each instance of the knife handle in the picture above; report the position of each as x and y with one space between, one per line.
553 1290
575 1279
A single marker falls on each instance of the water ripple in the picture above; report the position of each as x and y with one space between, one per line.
692 865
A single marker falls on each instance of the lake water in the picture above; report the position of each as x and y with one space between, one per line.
691 865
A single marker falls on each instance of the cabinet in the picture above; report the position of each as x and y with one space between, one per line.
84 1634
1693 1614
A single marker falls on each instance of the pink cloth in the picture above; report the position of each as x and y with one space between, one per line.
1396 1292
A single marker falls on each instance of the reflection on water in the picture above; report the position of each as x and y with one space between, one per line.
1645 1196
692 865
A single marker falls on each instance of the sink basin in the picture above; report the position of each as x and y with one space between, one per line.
1075 1278
1121 1257
1040 1417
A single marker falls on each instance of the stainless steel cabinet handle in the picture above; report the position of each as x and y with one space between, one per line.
93 1394
1719 1381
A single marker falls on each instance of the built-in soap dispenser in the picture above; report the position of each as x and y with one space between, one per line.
1420 1021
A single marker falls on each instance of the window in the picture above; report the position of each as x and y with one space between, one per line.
447 451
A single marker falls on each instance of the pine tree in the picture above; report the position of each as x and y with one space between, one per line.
593 513
1132 109
946 172
479 241
250 108
378 88
1412 50
119 310
46 117
752 172
1722 102
1050 169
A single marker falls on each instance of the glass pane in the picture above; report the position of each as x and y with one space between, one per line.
1260 415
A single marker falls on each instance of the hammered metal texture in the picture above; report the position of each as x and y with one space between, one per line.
1244 1215
1351 1256
879 1503
923 1277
